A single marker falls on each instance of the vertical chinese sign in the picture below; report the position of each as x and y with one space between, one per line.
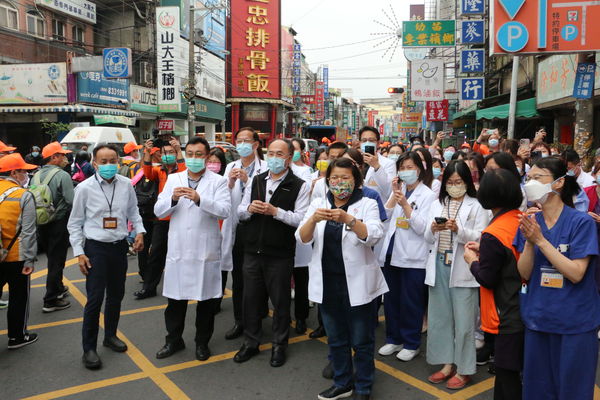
437 110
167 37
319 101
255 56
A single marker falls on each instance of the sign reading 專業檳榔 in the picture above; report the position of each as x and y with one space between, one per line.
167 37
429 33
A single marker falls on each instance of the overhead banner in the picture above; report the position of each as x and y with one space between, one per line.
544 26
255 55
33 83
167 37
427 80
430 33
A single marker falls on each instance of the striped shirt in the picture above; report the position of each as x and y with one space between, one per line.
449 211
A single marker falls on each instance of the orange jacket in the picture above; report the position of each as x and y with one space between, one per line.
160 174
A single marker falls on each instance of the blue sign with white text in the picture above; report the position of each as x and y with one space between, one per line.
116 62
92 87
472 61
471 88
472 7
584 81
473 31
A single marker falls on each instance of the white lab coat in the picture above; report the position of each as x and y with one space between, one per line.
381 180
471 220
363 276
303 251
319 189
192 267
410 248
230 223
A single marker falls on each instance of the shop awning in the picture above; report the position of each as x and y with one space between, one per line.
466 112
69 108
525 109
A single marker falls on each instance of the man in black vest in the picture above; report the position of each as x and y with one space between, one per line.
271 210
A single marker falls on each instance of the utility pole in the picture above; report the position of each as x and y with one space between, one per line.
190 91
512 108
584 117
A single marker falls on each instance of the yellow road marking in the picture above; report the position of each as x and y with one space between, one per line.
49 324
411 380
88 386
160 379
474 390
44 271
39 285
596 393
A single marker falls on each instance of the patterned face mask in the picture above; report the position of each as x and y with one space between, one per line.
342 190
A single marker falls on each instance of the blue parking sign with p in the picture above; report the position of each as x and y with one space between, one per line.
116 62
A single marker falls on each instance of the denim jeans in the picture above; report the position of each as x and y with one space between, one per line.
349 328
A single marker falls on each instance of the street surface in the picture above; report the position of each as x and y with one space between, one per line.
52 369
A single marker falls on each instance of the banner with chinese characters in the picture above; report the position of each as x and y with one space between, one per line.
427 80
255 55
167 37
297 68
319 100
429 33
437 110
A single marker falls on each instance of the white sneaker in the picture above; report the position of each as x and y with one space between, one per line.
389 349
479 343
407 355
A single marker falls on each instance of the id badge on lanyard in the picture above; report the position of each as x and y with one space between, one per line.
109 222
551 278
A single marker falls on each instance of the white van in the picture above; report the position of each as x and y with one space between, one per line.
92 135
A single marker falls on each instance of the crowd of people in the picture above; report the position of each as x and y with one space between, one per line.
490 248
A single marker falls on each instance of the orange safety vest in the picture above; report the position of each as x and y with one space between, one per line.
10 214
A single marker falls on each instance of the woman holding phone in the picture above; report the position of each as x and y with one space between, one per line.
404 256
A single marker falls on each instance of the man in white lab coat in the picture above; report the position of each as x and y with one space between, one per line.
195 200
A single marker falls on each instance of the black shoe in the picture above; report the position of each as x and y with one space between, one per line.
28 338
278 356
115 344
485 355
235 332
202 352
63 293
361 396
144 294
335 392
317 333
246 352
300 326
169 349
328 371
56 305
91 360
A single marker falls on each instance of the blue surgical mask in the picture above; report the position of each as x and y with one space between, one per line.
168 159
493 142
244 149
107 171
408 176
276 165
35 153
296 156
448 155
571 172
436 172
194 164
394 157
544 155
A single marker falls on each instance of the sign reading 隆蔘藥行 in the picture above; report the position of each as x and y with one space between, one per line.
427 80
80 9
544 26
472 61
472 31
92 87
429 33
116 62
167 36
472 7
584 81
33 83
471 88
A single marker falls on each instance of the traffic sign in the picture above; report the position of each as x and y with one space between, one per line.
472 31
584 81
544 26
472 61
471 88
116 62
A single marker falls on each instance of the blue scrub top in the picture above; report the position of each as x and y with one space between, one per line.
574 308
373 194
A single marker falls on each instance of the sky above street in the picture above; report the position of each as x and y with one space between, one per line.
324 25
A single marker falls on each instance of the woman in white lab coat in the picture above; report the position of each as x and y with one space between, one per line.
239 174
455 219
195 199
345 277
404 256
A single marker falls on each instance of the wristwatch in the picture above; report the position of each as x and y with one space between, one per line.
352 223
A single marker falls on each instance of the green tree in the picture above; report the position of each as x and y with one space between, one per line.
53 129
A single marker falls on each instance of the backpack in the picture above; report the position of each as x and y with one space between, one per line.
78 176
4 251
128 169
44 206
146 192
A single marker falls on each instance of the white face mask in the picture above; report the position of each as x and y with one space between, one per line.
537 191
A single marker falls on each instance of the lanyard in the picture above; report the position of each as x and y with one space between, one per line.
455 215
251 173
106 197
